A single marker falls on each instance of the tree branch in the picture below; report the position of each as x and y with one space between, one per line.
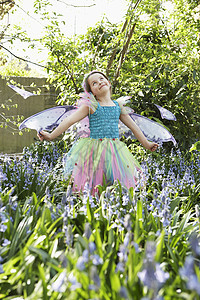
124 51
31 62
47 68
125 25
70 73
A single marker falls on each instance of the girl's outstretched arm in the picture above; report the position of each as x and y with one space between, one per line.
78 115
126 119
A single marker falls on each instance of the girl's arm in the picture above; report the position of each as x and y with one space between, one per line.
126 119
78 115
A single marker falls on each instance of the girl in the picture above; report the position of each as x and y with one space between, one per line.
102 156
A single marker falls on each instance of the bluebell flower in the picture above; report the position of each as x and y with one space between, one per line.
68 235
92 287
3 176
127 239
188 274
136 246
83 210
120 267
1 269
125 199
86 193
6 243
81 263
127 222
92 247
87 231
95 276
74 284
96 259
3 227
123 293
59 284
152 275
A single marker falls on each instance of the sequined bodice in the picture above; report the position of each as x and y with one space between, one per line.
104 122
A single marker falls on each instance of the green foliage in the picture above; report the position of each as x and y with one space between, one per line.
195 146
18 68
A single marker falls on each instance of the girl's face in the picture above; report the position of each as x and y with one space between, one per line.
99 85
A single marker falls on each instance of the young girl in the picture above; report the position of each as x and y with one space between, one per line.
102 156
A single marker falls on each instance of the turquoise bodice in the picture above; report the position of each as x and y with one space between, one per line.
104 122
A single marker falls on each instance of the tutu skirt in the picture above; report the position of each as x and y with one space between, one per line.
94 161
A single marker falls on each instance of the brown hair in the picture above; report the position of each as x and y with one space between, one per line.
86 85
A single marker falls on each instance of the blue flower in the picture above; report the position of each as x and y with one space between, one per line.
81 263
58 285
152 275
87 231
6 243
94 276
123 292
92 247
187 272
96 259
74 284
127 222
1 269
195 243
3 228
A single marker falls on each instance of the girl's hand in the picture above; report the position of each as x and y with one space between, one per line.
152 146
43 135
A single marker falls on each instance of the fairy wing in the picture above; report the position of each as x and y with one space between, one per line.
47 119
25 94
165 113
153 131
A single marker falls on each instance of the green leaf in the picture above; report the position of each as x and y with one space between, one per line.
160 246
138 221
44 284
195 146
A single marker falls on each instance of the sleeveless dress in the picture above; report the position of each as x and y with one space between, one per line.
102 157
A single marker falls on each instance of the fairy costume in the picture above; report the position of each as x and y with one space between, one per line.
101 156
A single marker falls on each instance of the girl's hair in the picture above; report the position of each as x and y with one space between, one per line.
86 85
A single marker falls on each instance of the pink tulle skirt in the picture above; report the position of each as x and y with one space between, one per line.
95 161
